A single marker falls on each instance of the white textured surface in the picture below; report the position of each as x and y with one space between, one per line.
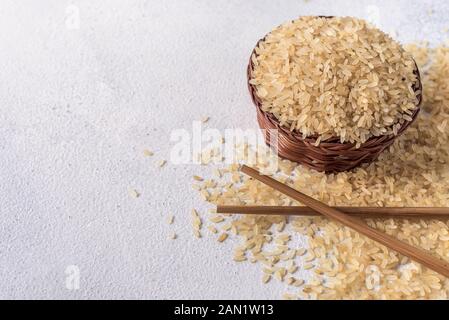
78 106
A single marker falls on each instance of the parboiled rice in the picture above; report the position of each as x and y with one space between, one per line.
335 77
347 265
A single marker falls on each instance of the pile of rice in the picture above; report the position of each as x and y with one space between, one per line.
338 262
335 77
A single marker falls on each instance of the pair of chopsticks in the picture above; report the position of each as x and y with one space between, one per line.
361 212
343 216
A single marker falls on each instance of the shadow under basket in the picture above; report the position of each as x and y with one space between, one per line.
330 155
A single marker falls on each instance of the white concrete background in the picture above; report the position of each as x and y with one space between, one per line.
79 103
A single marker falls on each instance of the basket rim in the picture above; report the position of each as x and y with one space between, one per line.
334 140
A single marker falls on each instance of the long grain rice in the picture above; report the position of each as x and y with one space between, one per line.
347 265
334 77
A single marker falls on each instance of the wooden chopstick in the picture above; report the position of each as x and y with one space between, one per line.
362 212
357 224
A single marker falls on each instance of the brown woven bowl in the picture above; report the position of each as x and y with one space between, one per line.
330 155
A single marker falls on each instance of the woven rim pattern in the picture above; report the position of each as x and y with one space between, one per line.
330 155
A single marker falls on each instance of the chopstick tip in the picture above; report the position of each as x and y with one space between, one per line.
246 169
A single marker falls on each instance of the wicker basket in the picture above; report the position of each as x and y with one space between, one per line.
330 155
